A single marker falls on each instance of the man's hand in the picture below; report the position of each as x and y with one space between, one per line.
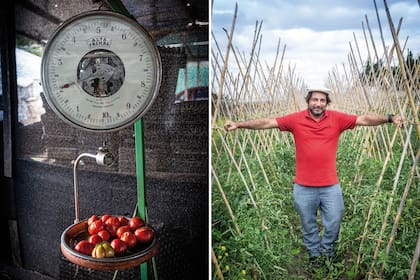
230 125
398 121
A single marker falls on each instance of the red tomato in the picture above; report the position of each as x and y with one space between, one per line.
95 227
135 222
123 221
112 221
122 229
92 218
144 234
84 247
104 234
111 225
105 217
119 246
95 239
129 238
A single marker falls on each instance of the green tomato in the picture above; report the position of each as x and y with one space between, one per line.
103 250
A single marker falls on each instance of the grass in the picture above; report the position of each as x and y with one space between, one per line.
271 246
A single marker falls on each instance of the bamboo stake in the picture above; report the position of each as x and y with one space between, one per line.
378 184
390 200
361 85
259 162
415 260
225 200
401 208
226 61
216 264
403 72
237 169
258 88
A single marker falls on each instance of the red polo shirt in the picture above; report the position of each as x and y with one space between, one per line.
316 144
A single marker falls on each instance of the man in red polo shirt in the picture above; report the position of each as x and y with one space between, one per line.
316 131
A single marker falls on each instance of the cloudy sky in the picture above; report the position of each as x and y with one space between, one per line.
316 33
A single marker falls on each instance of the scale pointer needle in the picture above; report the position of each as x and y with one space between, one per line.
71 84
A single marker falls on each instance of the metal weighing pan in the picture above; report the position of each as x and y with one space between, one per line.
134 257
79 231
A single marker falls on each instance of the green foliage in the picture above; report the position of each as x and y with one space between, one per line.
270 245
373 71
28 45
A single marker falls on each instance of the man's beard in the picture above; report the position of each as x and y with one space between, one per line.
316 114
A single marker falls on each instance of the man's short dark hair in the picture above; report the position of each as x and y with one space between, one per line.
309 95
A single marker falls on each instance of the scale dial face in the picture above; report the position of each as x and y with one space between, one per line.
100 71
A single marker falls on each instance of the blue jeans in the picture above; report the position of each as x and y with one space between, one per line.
329 200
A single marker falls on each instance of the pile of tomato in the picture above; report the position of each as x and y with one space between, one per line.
111 236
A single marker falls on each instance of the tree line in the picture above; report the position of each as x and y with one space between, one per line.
377 74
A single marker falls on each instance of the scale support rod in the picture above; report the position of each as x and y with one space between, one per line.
103 157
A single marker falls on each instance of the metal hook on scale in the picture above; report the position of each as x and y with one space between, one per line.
102 157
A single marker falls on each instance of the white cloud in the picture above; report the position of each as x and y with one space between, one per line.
316 36
315 53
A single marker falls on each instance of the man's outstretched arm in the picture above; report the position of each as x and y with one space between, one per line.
372 120
263 123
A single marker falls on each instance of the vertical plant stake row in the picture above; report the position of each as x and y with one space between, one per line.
385 165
